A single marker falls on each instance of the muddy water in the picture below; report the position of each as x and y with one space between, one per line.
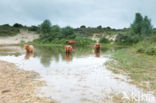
80 77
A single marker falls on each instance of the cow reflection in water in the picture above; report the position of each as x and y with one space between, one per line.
68 52
97 47
68 56
97 54
28 55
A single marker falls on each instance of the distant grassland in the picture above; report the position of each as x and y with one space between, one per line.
6 30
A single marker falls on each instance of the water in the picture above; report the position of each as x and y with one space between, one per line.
75 78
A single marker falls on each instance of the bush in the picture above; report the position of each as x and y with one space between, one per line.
55 33
6 30
83 26
45 26
128 38
84 41
80 36
99 27
122 38
141 50
17 25
104 40
33 28
151 51
134 39
67 31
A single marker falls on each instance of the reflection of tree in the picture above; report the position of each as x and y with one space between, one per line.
47 54
79 51
46 61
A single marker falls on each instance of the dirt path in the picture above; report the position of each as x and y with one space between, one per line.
19 86
22 36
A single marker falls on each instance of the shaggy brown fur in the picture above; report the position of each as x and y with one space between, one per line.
29 48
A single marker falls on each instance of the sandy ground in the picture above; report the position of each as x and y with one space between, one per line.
19 86
97 37
22 36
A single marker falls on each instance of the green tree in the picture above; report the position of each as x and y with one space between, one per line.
137 24
82 26
141 25
33 28
17 25
146 26
99 27
104 40
56 32
45 26
67 31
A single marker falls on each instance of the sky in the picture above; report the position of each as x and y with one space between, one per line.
92 13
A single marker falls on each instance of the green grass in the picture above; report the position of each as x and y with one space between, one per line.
147 46
141 68
62 42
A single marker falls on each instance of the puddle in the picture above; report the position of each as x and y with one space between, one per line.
77 78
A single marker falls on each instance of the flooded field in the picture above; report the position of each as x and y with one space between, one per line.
80 77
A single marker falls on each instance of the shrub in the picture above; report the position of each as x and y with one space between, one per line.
151 51
45 26
84 41
33 28
80 36
67 31
17 25
122 38
83 26
6 30
104 40
134 39
99 27
128 38
141 50
55 32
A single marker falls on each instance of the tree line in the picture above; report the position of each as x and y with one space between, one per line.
140 28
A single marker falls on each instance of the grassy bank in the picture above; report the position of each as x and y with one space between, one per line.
140 67
62 42
148 45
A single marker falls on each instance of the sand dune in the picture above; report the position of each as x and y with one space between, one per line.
24 35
